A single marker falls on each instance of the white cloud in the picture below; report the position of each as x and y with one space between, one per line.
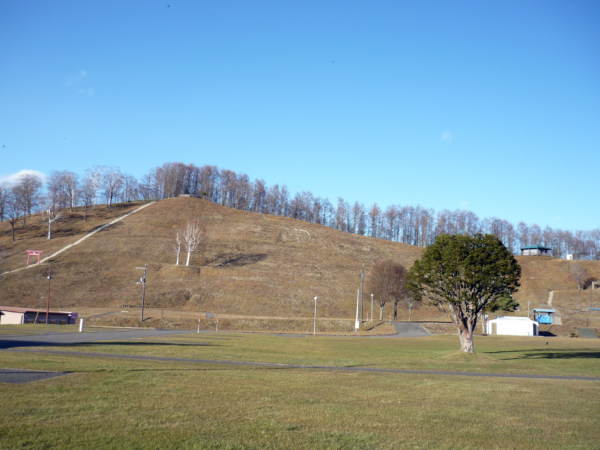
85 92
463 204
13 178
77 78
557 218
446 136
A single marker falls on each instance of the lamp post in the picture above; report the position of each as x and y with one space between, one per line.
315 322
356 322
362 303
143 283
48 299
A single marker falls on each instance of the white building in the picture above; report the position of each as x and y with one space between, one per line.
513 326
15 316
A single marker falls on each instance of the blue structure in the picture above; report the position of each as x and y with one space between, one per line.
543 316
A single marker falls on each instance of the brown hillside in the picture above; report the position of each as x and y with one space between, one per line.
244 267
541 274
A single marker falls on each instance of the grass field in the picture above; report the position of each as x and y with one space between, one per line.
111 403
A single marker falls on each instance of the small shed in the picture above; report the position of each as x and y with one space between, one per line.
546 316
536 250
512 326
16 316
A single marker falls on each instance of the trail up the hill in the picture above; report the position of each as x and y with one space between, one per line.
80 240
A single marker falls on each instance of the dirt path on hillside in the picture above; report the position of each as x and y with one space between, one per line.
80 240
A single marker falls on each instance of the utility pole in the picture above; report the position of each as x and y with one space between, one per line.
48 299
357 323
143 283
315 322
362 303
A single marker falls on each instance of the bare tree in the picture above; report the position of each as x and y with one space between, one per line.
95 176
177 245
12 211
49 215
388 283
27 192
579 273
87 194
130 186
193 234
4 192
113 181
70 183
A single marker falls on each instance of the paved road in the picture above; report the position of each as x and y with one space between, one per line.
54 339
20 376
298 366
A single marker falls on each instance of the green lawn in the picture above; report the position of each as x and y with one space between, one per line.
110 403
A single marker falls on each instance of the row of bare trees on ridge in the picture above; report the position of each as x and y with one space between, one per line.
413 225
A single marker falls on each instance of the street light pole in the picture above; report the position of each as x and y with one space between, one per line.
315 322
362 303
143 283
48 299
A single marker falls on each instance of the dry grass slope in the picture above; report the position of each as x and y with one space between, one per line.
242 268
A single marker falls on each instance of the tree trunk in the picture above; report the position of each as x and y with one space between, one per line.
395 311
187 263
178 252
380 312
410 313
466 341
49 228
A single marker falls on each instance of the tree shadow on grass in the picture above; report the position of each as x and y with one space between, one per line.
550 354
6 344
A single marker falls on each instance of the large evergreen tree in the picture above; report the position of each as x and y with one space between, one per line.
461 275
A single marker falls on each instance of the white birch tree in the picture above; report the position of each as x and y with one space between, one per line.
193 235
112 183
177 245
49 215
95 176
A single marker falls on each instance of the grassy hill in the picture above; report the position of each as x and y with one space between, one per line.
243 267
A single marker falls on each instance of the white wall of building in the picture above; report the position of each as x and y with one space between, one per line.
11 318
512 326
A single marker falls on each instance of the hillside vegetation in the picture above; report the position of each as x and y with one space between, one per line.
243 266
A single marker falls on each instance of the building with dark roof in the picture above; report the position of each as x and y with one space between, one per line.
536 250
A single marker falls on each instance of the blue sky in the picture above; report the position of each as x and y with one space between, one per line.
490 106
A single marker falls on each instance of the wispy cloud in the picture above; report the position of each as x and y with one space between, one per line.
85 92
557 218
13 178
446 136
463 204
76 78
